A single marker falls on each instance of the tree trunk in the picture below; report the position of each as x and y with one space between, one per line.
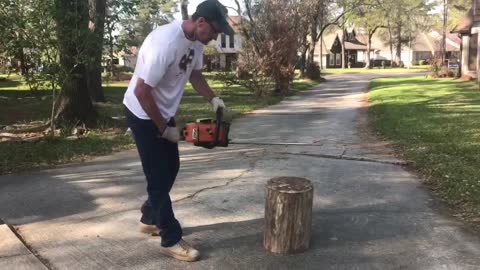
303 62
343 49
95 49
321 52
369 45
74 103
283 85
312 44
23 62
288 215
184 9
398 52
369 49
390 36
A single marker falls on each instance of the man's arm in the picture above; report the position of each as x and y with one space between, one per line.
200 85
143 92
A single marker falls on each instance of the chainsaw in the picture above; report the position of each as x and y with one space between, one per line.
208 132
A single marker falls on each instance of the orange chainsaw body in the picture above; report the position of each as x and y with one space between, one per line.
204 133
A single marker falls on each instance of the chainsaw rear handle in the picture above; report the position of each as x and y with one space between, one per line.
219 113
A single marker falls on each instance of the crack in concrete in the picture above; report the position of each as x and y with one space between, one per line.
34 252
342 157
252 165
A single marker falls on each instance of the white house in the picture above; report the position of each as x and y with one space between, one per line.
227 46
423 46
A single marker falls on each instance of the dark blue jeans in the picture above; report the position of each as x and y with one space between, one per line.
160 162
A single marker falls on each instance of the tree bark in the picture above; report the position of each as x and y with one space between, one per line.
369 49
343 48
97 12
74 103
369 46
288 215
23 61
398 49
184 9
303 62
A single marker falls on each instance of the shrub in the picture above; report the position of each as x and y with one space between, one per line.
124 69
313 71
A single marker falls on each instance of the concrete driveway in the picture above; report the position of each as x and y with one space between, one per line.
369 211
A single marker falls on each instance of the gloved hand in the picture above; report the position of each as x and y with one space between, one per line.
217 103
171 134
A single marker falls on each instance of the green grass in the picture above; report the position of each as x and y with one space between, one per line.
20 107
435 124
374 70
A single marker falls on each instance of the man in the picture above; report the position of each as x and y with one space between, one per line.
169 56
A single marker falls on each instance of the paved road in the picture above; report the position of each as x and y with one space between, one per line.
369 212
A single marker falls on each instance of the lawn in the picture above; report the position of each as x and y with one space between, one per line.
436 125
17 105
413 69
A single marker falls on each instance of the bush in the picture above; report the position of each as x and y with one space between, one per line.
124 69
423 62
378 63
228 78
313 71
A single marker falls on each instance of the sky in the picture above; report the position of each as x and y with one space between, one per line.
192 5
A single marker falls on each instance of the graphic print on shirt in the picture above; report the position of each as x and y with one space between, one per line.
186 60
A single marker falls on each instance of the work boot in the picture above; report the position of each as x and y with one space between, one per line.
152 230
182 251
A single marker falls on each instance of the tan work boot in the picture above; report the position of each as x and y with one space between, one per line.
149 229
182 251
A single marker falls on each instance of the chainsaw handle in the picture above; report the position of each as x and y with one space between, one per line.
219 119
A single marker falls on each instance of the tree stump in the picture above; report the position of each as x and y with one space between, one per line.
288 215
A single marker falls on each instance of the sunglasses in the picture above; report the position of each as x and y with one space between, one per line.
186 59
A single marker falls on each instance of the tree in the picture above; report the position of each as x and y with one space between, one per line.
406 17
128 22
271 42
28 39
13 37
74 104
97 12
319 16
371 17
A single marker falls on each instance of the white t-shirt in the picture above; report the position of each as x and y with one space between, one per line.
165 62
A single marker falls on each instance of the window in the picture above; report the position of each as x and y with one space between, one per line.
331 59
223 41
232 41
338 59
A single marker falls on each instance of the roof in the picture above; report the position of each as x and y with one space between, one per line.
465 25
422 42
234 22
356 44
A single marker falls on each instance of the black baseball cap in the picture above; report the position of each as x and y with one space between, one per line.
214 11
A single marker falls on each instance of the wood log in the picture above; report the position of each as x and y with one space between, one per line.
288 215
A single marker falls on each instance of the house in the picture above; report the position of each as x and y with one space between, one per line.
226 53
227 46
423 46
468 30
355 50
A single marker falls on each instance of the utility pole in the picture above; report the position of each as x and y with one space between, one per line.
444 37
